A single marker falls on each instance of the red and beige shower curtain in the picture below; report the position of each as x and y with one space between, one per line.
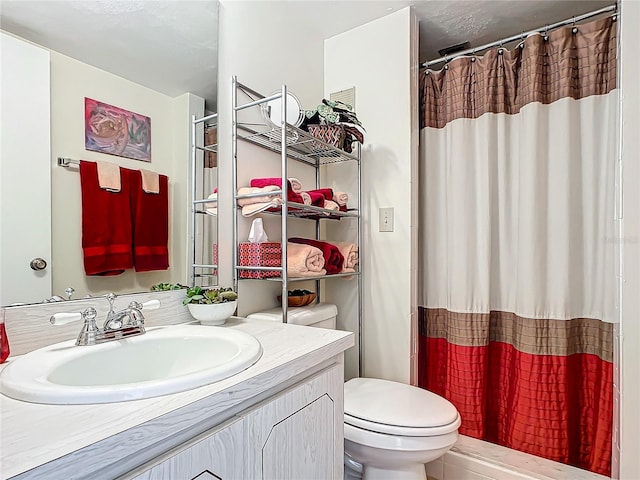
518 244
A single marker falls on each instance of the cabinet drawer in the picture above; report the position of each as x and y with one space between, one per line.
212 455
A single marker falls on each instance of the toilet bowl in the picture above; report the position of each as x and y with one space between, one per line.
393 429
390 429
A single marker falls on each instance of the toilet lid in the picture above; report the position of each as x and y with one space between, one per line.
397 408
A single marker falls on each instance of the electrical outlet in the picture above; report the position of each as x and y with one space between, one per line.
385 220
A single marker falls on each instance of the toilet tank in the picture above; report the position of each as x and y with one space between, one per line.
321 315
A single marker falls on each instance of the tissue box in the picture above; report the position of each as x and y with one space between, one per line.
332 134
265 254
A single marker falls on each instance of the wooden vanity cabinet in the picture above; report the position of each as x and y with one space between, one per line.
296 434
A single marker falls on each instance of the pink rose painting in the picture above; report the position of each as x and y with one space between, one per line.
113 130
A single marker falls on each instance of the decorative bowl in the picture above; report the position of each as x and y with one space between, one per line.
214 313
299 300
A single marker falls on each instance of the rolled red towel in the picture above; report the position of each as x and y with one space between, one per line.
327 193
264 182
333 259
317 198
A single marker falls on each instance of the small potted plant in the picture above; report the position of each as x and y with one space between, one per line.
211 306
165 287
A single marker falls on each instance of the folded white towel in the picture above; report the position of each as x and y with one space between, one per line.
254 208
259 199
109 176
212 207
150 181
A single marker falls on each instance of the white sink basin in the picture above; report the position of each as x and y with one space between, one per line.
162 361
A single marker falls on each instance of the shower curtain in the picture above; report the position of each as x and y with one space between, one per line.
517 243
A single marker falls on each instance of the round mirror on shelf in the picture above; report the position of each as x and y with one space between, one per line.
272 111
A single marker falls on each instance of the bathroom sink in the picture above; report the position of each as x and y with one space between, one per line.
162 361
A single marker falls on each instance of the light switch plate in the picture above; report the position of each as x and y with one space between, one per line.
385 221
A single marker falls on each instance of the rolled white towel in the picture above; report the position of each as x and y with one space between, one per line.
304 260
296 185
331 205
350 253
341 198
306 198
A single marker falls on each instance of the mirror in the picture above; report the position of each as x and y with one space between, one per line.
156 59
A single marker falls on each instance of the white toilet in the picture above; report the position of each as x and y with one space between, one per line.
390 429
393 429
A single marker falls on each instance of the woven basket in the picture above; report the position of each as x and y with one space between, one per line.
332 134
299 300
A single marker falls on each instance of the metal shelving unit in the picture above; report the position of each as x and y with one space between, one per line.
199 272
292 144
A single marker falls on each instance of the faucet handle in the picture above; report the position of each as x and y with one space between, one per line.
64 318
111 297
151 305
88 315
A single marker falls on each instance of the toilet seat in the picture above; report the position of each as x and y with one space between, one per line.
394 408
401 431
405 443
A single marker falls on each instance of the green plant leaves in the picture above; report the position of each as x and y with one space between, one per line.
209 296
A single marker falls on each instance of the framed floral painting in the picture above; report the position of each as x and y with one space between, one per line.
113 130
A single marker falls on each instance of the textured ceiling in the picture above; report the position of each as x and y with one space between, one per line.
171 45
449 22
168 46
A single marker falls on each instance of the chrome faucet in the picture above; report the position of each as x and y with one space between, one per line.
128 322
131 316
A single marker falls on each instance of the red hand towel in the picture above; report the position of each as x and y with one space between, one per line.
106 224
150 213
333 259
264 182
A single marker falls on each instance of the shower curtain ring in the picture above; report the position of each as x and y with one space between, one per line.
545 37
574 30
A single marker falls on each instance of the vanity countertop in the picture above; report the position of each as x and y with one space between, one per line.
34 434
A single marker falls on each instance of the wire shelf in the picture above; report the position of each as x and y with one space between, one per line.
301 145
294 279
311 212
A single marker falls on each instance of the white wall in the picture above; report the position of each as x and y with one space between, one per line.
264 51
378 58
629 354
71 82
184 107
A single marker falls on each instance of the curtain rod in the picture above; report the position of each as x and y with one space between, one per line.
521 36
